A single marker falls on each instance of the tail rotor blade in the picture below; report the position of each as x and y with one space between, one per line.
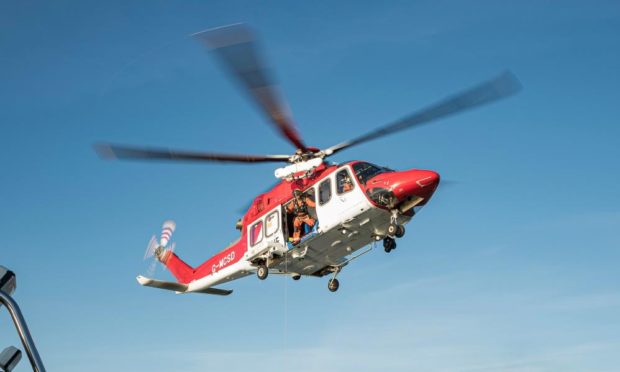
150 248
166 232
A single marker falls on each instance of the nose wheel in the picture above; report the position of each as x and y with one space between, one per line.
389 244
400 231
396 230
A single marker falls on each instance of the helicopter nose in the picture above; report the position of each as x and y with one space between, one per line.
427 178
416 182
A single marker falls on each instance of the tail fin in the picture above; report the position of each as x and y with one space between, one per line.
181 270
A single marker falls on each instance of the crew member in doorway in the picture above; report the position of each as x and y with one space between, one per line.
299 206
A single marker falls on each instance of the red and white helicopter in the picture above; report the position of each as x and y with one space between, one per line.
343 208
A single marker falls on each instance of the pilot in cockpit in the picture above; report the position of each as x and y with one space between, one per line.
345 184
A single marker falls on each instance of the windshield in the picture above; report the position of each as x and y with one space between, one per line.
366 171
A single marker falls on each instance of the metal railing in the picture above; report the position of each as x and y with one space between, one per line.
11 355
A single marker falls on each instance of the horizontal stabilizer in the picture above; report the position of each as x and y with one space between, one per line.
171 286
178 287
215 291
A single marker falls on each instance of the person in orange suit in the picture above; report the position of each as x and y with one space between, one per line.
299 206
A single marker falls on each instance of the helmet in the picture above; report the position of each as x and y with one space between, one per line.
297 192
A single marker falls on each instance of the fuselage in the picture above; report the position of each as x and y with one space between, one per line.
348 218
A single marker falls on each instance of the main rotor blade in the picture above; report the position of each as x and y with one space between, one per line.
500 87
110 151
237 49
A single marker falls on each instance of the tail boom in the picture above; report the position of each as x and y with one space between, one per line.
225 266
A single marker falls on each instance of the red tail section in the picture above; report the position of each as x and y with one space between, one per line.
185 273
182 271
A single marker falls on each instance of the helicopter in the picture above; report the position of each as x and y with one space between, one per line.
320 215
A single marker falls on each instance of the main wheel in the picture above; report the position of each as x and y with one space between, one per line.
262 272
333 285
400 231
389 244
392 229
296 277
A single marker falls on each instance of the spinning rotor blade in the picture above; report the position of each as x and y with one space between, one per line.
166 232
236 48
150 248
109 151
502 86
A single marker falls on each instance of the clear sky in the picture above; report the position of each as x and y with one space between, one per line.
512 267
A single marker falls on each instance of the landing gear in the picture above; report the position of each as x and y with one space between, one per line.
333 285
396 230
400 231
262 272
296 277
389 244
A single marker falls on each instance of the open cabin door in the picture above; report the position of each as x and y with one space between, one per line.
308 227
266 234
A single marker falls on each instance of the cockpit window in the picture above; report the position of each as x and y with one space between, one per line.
344 183
366 171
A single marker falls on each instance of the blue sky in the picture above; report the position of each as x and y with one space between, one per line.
513 267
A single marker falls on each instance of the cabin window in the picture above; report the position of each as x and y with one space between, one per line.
256 233
272 223
325 191
344 182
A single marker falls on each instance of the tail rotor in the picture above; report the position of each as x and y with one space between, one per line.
153 246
